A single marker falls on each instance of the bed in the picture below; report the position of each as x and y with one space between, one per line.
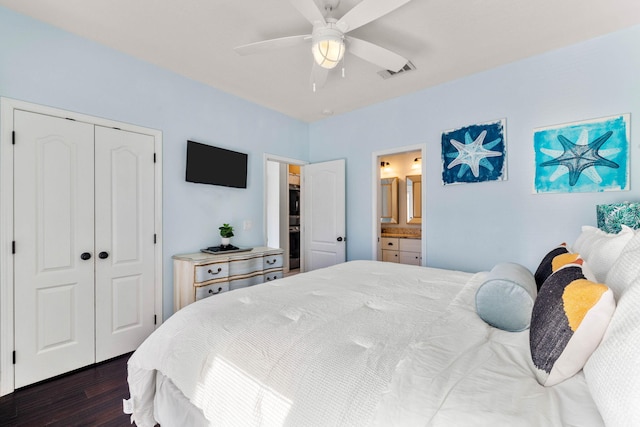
369 343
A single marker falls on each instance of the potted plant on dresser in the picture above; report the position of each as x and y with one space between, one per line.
226 232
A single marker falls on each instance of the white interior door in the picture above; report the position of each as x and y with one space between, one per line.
53 228
323 217
125 268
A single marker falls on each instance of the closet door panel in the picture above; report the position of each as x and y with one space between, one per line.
54 286
125 267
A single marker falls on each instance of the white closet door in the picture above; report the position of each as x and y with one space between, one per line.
323 216
125 266
54 286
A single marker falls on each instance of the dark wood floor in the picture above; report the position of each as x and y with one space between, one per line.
89 397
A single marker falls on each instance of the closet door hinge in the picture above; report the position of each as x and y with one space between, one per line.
154 157
155 320
155 239
13 247
14 357
13 137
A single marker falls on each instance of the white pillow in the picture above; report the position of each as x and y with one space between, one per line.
613 372
600 249
584 242
626 269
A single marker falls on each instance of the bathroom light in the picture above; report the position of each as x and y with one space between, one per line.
417 163
385 168
328 47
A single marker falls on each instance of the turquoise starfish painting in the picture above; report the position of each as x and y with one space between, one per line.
474 153
583 157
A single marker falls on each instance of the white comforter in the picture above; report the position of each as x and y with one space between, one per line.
358 344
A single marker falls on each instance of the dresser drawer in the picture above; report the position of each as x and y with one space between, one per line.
411 245
246 281
211 290
390 256
272 261
389 243
245 266
204 273
412 258
268 277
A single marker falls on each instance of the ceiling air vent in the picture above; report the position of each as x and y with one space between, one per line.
385 74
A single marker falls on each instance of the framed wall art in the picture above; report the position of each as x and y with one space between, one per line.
584 156
474 153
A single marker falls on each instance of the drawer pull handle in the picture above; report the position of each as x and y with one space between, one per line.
216 272
271 278
271 262
390 243
213 293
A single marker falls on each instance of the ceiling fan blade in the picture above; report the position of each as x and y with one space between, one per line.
318 76
375 54
273 44
309 9
367 11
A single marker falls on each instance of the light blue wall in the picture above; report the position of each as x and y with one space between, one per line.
43 65
473 226
469 227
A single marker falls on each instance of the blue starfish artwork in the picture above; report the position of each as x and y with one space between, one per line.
582 157
474 153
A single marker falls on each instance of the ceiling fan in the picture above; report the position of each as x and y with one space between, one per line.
329 40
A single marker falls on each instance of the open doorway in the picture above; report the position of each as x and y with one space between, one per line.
293 178
283 209
398 205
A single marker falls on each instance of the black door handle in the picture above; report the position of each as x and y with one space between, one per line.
85 256
339 239
103 255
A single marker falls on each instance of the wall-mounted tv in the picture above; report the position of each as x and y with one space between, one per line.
213 165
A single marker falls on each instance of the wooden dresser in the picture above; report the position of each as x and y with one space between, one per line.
401 250
200 275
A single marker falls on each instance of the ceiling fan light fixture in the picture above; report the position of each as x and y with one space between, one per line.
328 48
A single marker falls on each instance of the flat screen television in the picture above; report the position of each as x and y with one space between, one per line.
217 166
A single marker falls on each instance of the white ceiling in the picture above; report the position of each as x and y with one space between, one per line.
444 39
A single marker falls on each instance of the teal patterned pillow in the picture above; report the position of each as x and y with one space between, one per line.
612 217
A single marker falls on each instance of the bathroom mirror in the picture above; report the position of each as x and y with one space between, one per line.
414 199
389 200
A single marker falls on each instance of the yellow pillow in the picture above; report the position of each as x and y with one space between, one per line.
568 321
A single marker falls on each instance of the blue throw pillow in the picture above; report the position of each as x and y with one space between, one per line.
505 299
